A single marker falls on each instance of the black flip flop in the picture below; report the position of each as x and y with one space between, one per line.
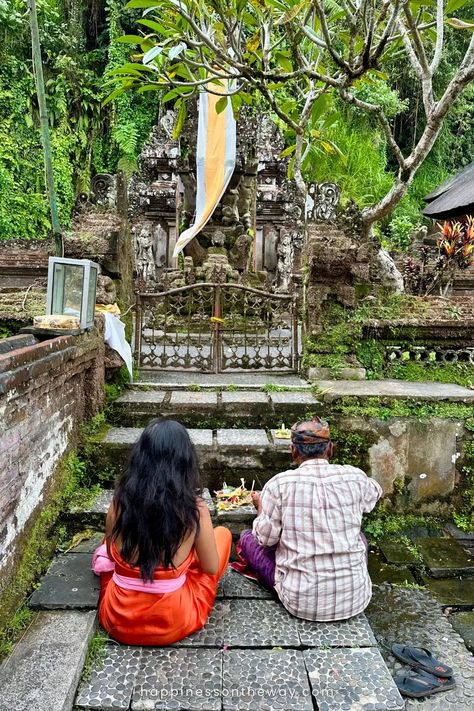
420 658
419 684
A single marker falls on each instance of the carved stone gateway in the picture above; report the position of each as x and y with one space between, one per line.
256 231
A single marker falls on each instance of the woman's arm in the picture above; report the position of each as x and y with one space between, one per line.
109 524
205 542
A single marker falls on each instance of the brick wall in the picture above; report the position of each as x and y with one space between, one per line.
46 390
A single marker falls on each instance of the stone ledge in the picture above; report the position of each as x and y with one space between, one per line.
43 670
393 389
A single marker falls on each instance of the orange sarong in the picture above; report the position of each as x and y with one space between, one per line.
144 618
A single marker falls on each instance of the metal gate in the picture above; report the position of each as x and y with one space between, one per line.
216 327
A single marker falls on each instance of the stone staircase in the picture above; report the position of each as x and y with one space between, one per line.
252 655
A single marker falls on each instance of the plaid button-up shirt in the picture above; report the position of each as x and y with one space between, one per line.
314 515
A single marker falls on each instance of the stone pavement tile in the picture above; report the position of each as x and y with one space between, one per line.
141 397
127 436
193 399
351 679
280 441
175 679
242 438
236 585
123 435
397 552
44 668
413 617
238 397
444 557
355 632
201 438
212 634
246 623
463 623
110 685
452 592
101 504
292 398
68 584
265 680
382 572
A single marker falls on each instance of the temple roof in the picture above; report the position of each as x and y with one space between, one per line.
453 198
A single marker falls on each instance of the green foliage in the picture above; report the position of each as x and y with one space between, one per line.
86 139
95 654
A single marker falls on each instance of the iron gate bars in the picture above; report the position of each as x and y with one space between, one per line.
215 327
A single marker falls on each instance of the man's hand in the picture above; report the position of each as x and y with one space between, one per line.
256 500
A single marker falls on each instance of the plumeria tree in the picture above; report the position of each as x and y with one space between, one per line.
295 55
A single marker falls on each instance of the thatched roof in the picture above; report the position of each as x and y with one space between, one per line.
453 198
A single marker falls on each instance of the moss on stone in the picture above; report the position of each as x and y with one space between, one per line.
40 541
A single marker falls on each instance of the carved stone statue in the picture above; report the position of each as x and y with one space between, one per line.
285 260
160 239
270 246
145 256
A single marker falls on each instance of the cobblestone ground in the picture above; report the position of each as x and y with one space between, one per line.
412 617
251 656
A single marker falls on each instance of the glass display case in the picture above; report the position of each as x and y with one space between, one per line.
72 285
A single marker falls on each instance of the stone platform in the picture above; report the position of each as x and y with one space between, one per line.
223 453
251 656
201 409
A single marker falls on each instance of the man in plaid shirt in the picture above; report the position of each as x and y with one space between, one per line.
306 541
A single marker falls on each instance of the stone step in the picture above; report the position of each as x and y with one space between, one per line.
93 515
224 454
44 669
210 409
251 655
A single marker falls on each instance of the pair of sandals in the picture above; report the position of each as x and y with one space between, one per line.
431 675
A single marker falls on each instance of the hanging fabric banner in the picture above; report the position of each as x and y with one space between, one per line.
215 161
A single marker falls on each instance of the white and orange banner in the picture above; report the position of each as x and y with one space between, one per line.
215 161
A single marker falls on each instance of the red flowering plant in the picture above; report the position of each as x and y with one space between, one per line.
455 251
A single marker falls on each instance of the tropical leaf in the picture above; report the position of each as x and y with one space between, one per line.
130 39
292 12
288 151
152 53
180 119
221 105
460 24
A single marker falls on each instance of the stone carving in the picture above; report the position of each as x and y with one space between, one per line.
322 201
160 245
145 259
270 246
103 190
218 238
285 260
240 252
106 291
260 200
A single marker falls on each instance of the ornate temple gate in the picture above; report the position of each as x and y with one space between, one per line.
216 327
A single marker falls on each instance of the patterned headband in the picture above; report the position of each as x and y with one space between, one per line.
317 432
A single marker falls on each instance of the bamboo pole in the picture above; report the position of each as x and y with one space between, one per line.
44 128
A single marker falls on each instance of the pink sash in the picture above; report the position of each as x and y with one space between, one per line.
149 586
101 563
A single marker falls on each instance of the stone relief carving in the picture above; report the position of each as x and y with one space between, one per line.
285 260
322 201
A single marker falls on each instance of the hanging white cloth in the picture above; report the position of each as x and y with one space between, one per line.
114 336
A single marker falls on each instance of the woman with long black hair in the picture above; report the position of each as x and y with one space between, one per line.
162 559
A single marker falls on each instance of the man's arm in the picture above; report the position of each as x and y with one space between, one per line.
267 525
373 492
